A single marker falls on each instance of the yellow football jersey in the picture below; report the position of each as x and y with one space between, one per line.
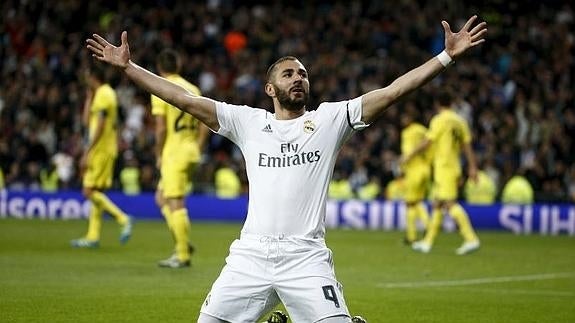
104 102
181 127
395 189
448 132
411 137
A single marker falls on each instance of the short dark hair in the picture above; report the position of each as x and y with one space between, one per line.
98 71
445 97
168 61
272 68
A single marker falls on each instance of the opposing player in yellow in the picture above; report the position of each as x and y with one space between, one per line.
97 163
449 134
417 175
179 141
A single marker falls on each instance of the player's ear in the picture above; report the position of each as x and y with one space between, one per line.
270 91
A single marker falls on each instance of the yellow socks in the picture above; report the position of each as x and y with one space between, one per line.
413 213
422 214
168 216
462 220
107 205
181 230
434 226
94 223
410 229
410 225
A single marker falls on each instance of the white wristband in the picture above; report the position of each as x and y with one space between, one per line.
444 58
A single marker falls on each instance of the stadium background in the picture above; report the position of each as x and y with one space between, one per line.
516 90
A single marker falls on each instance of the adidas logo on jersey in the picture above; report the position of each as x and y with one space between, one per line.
267 128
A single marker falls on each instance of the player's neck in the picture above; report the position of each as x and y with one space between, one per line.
96 85
285 114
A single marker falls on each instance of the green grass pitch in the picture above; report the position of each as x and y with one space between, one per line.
511 279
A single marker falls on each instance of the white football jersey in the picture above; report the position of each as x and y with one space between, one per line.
289 163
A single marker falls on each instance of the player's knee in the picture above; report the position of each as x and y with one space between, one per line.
448 204
443 205
159 198
87 192
176 203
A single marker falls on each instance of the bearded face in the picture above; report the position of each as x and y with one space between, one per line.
294 98
289 80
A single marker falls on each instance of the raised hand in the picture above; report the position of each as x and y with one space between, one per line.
457 43
103 51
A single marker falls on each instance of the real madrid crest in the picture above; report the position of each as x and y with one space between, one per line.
308 126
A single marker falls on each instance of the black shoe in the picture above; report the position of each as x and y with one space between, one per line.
277 317
358 319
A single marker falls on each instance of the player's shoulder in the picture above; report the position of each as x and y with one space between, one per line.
418 127
451 114
338 104
105 89
104 97
176 78
437 119
328 104
181 81
455 119
242 111
331 108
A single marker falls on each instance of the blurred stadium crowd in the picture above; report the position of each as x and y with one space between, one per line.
516 91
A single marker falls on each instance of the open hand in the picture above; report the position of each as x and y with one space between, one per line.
103 51
457 43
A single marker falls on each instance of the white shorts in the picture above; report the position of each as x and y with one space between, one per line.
261 271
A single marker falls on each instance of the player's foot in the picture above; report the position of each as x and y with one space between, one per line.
468 247
126 232
174 258
358 319
277 317
421 246
174 262
84 243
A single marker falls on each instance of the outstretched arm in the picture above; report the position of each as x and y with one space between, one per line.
202 108
375 102
471 164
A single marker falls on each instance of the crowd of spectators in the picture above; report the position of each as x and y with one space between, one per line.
516 90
